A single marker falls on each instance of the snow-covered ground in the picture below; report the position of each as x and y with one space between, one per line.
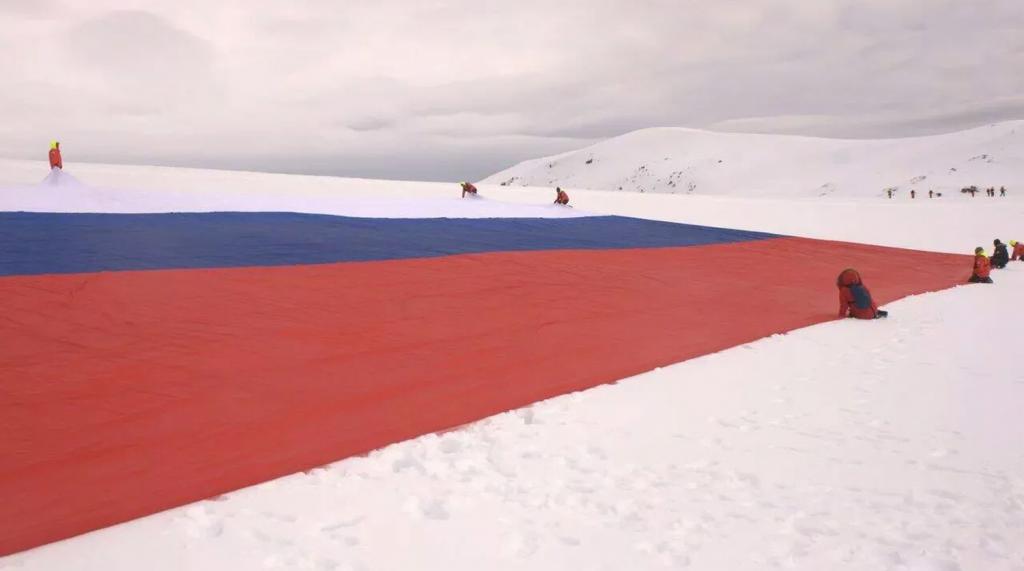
684 161
889 445
123 189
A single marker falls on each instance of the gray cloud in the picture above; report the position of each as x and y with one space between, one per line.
456 89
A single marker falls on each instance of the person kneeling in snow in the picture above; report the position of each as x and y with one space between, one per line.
854 297
982 267
1000 257
55 161
561 197
1018 250
468 188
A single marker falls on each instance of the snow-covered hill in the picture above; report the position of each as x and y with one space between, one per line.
676 160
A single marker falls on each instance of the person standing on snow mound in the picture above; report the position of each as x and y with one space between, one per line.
561 197
55 160
1018 250
855 299
468 188
1000 257
982 267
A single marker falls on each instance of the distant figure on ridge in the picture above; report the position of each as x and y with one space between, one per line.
855 299
913 194
55 160
1000 257
982 267
1002 191
931 194
468 188
889 192
561 197
1018 250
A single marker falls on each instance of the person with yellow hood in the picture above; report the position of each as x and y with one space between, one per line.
1018 250
982 267
55 160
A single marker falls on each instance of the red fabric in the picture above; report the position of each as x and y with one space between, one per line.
562 198
468 188
55 160
982 266
127 393
1018 251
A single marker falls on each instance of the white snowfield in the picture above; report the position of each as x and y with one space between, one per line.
889 445
684 161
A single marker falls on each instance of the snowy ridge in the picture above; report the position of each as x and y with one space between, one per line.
689 161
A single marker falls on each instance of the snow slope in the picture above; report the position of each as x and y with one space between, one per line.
112 188
683 161
891 445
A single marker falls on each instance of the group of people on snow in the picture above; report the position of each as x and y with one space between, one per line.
990 191
854 296
972 190
855 299
561 197
1001 256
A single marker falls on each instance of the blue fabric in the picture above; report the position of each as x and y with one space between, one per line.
861 297
45 243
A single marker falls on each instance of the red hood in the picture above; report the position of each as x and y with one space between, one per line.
848 277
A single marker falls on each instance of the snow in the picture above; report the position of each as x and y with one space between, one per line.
684 161
888 445
113 188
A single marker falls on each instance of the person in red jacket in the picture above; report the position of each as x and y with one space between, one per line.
468 188
982 267
55 160
854 298
1018 250
561 197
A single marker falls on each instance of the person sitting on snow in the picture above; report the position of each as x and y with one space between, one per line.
982 267
468 188
854 298
561 197
999 255
1018 250
55 160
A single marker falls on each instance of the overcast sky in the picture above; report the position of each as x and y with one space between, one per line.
457 89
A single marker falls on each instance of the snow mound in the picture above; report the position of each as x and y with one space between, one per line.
685 161
61 179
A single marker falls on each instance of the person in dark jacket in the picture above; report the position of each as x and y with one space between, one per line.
1000 257
982 267
854 297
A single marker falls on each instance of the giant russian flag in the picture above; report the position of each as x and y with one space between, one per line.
151 360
